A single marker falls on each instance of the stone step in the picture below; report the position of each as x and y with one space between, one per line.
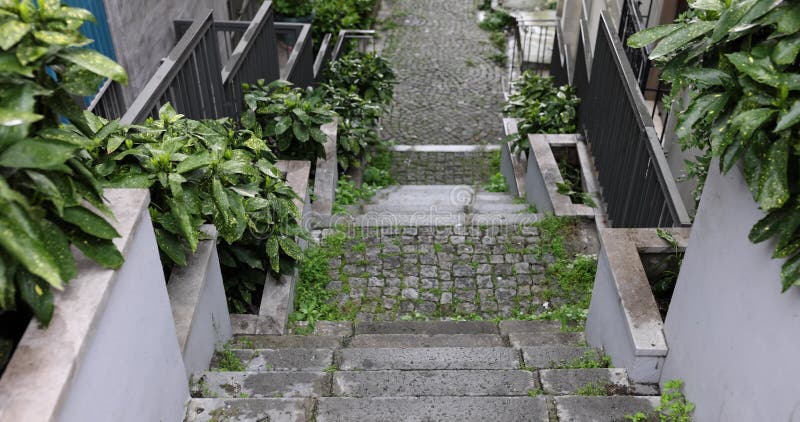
434 383
265 384
609 381
556 356
248 410
427 327
546 339
537 326
602 409
428 358
461 409
283 359
287 342
423 340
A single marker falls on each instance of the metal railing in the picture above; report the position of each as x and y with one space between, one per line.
298 46
637 184
109 102
323 57
188 78
362 40
532 46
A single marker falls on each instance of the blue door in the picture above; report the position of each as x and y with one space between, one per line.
98 31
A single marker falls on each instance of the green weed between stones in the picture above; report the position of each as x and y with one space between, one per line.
589 360
673 407
592 389
535 393
227 361
568 279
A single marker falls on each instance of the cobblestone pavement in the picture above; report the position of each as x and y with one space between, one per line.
448 91
391 272
441 168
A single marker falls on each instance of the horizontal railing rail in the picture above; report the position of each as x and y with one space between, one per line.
364 40
299 67
637 183
188 78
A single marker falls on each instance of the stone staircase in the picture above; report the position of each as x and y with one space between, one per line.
419 371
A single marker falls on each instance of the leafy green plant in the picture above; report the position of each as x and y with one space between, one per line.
292 8
497 20
288 117
673 407
210 172
347 193
738 62
331 16
50 198
592 389
227 361
356 135
541 108
496 183
368 75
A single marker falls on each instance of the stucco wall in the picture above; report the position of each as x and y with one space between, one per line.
143 33
733 337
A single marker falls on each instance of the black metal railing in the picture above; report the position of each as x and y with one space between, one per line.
296 45
362 40
629 24
532 47
323 57
189 78
637 184
109 103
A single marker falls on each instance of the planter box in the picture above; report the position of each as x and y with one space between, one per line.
513 166
199 306
277 300
110 352
326 176
543 176
736 338
623 317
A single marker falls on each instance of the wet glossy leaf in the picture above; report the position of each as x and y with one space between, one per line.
11 32
681 38
786 50
37 295
730 18
789 22
194 162
79 81
57 244
16 117
28 250
300 131
706 107
103 252
789 118
790 273
775 188
90 222
273 254
290 248
37 153
10 64
96 63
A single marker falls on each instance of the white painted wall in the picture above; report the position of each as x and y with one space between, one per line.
132 369
733 337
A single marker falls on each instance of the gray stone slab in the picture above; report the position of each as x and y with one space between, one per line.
517 326
427 327
325 328
429 358
546 338
423 340
569 381
283 342
264 384
601 409
552 356
244 323
285 359
427 409
503 219
248 410
434 383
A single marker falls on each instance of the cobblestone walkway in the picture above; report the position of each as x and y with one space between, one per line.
448 91
441 168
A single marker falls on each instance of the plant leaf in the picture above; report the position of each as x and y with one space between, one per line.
272 254
11 32
90 222
290 247
679 39
29 251
788 118
37 153
171 246
785 51
37 295
775 189
790 273
95 62
101 251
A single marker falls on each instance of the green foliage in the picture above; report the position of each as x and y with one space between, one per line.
589 360
572 185
292 8
485 5
210 172
497 58
673 407
592 389
227 361
332 16
497 20
738 62
50 198
541 108
535 393
368 75
289 118
347 193
496 183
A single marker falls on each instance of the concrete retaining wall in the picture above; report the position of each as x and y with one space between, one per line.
733 337
110 352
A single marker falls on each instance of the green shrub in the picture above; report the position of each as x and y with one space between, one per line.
289 118
210 172
331 16
292 8
541 108
50 197
366 74
497 20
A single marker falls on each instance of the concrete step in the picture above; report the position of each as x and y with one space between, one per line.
424 340
555 356
248 410
434 383
287 342
418 409
265 384
546 339
407 199
283 359
602 409
427 327
428 358
612 381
